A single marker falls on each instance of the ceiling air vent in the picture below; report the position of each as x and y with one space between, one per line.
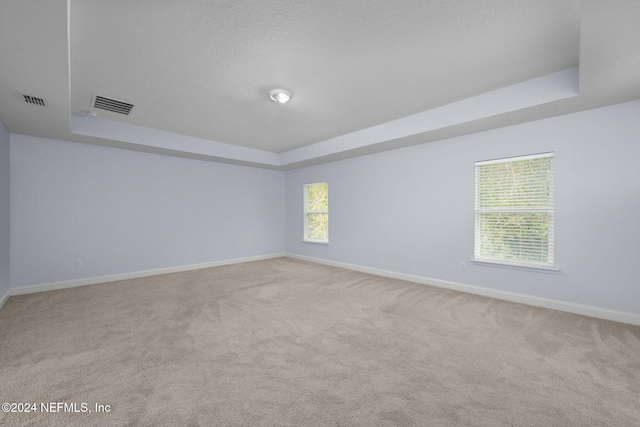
112 105
34 100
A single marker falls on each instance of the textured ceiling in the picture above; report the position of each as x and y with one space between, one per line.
205 68
199 72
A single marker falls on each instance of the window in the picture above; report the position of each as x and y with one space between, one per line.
514 211
316 212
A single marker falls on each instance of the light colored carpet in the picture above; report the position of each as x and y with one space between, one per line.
283 342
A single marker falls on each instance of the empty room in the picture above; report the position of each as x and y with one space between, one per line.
320 213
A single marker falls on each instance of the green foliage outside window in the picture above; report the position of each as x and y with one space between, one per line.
317 212
514 210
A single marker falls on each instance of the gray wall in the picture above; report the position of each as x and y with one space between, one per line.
5 224
122 211
412 210
407 211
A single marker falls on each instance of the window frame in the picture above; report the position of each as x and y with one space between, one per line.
307 211
548 210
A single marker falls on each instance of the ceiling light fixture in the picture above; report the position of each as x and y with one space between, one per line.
280 96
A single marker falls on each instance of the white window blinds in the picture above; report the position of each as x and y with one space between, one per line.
514 211
316 212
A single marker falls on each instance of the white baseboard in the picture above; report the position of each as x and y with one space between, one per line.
4 298
30 289
586 310
598 312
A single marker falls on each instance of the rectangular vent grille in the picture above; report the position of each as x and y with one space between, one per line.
34 100
112 105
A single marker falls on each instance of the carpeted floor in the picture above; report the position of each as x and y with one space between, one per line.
283 342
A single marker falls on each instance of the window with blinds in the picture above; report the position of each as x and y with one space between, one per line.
514 211
316 212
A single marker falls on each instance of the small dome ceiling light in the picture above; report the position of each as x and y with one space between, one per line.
280 96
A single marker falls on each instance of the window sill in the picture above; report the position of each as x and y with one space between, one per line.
524 267
317 242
